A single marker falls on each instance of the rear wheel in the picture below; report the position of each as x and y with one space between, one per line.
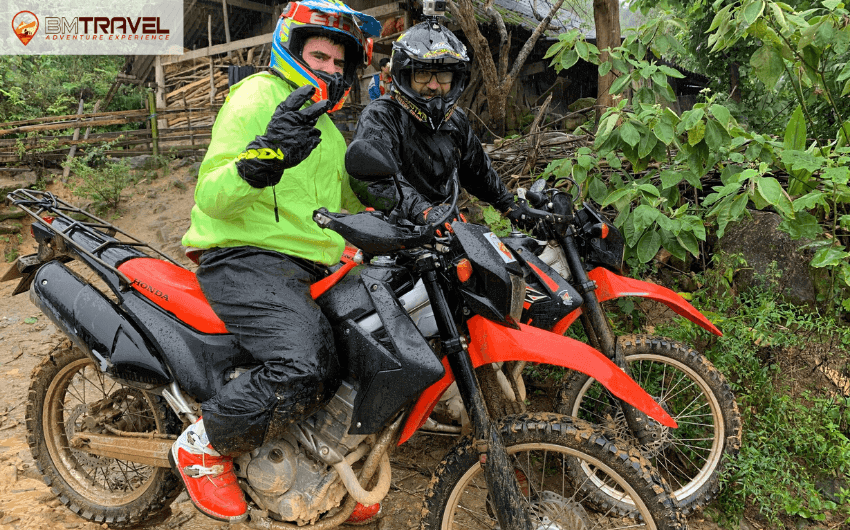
68 395
692 391
540 446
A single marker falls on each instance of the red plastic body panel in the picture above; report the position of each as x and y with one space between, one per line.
493 343
610 285
174 289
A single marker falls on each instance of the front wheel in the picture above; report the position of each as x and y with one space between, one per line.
540 446
692 391
68 395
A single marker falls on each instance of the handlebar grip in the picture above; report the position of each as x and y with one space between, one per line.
535 198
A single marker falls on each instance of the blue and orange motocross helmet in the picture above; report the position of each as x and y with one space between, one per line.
321 18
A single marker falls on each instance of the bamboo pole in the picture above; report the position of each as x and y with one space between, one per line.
212 70
154 127
159 73
73 150
226 26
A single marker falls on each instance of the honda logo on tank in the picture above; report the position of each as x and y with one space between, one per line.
93 27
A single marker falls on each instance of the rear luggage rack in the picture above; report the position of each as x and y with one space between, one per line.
38 203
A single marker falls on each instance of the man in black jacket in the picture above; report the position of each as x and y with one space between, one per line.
429 137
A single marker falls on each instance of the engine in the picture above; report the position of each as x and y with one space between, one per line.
291 477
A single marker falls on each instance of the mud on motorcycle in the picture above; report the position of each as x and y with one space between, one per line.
147 349
575 262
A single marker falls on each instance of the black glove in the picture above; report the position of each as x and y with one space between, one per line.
290 137
435 213
520 214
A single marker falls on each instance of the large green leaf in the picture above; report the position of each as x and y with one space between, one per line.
569 59
722 114
796 160
810 200
825 257
673 246
753 11
804 225
647 143
688 241
644 216
629 134
665 131
670 178
648 246
696 133
795 131
770 189
767 65
619 84
616 195
715 135
838 175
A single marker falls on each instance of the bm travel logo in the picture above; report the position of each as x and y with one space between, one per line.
100 27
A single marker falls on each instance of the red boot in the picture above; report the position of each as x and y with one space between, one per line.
208 476
363 514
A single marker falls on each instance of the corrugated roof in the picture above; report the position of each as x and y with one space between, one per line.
529 13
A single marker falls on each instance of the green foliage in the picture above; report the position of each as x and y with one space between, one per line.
498 224
44 85
101 181
658 202
792 438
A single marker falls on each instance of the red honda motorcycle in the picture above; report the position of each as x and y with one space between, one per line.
576 261
145 349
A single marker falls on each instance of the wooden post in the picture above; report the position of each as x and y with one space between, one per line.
212 68
73 150
154 129
226 25
189 120
159 73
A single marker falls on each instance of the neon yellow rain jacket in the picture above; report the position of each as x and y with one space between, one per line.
228 212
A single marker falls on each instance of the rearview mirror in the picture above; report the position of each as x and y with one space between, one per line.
366 160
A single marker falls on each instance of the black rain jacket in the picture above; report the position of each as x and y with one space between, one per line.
426 159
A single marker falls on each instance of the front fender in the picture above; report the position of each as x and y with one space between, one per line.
610 285
493 343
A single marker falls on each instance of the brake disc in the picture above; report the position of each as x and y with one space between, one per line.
550 511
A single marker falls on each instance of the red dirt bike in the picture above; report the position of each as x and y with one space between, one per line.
146 348
576 263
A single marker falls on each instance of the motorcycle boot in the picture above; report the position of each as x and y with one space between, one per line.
208 476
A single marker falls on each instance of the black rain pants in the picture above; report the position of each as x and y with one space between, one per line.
263 298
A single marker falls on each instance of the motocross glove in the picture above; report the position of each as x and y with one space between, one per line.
290 137
520 214
435 213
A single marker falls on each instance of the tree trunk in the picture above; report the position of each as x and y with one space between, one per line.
734 81
498 80
606 16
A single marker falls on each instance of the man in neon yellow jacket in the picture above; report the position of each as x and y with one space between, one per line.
273 159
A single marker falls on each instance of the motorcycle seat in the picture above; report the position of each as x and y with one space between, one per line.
174 289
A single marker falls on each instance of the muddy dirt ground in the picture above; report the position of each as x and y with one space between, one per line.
157 211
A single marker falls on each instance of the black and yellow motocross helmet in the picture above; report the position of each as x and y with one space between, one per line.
428 46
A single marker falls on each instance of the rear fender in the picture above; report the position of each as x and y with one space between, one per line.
493 343
610 285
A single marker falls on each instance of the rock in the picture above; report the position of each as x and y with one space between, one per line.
10 227
27 179
194 169
182 162
142 162
761 244
150 194
12 213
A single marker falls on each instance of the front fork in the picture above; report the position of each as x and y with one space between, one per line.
601 337
508 501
